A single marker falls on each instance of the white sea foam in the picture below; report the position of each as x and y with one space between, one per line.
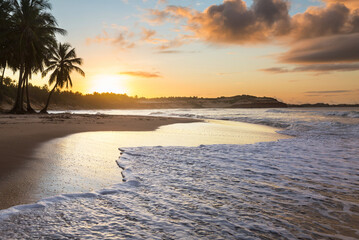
305 187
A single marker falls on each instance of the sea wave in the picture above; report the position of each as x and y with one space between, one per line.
346 114
300 188
266 190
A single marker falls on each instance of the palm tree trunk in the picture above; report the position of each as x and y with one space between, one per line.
2 77
18 108
1 86
44 110
23 92
29 108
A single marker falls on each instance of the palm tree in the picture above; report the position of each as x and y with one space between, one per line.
62 62
5 53
34 30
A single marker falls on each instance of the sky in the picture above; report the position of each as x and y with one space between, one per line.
299 51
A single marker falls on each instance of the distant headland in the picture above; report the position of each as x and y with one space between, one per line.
68 100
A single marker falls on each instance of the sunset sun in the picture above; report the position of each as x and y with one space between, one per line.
109 83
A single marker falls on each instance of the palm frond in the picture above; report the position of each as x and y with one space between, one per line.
47 70
79 70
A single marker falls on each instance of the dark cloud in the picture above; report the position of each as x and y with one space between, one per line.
233 21
326 34
334 49
315 68
276 70
317 22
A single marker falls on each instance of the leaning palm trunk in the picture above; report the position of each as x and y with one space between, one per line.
44 110
28 108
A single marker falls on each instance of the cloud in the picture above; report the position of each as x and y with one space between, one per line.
334 19
121 40
330 92
149 36
141 74
276 70
325 37
325 34
319 68
333 49
354 4
233 22
174 43
155 16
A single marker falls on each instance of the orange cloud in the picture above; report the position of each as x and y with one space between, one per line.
353 4
233 22
334 19
149 37
156 16
320 35
141 74
121 40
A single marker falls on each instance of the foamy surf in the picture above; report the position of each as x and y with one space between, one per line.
301 188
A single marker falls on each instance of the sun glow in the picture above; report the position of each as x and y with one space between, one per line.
109 83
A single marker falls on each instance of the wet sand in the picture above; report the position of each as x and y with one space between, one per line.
49 155
20 135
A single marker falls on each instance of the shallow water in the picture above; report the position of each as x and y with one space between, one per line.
86 162
305 187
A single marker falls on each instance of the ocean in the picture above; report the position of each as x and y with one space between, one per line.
302 187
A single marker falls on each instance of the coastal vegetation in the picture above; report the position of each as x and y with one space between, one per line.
28 43
63 100
69 100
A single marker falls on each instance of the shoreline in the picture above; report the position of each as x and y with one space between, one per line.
21 135
37 151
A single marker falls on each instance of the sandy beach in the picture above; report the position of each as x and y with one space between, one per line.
21 134
48 155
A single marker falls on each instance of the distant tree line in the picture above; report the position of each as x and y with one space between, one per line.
64 100
28 46
76 100
69 99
